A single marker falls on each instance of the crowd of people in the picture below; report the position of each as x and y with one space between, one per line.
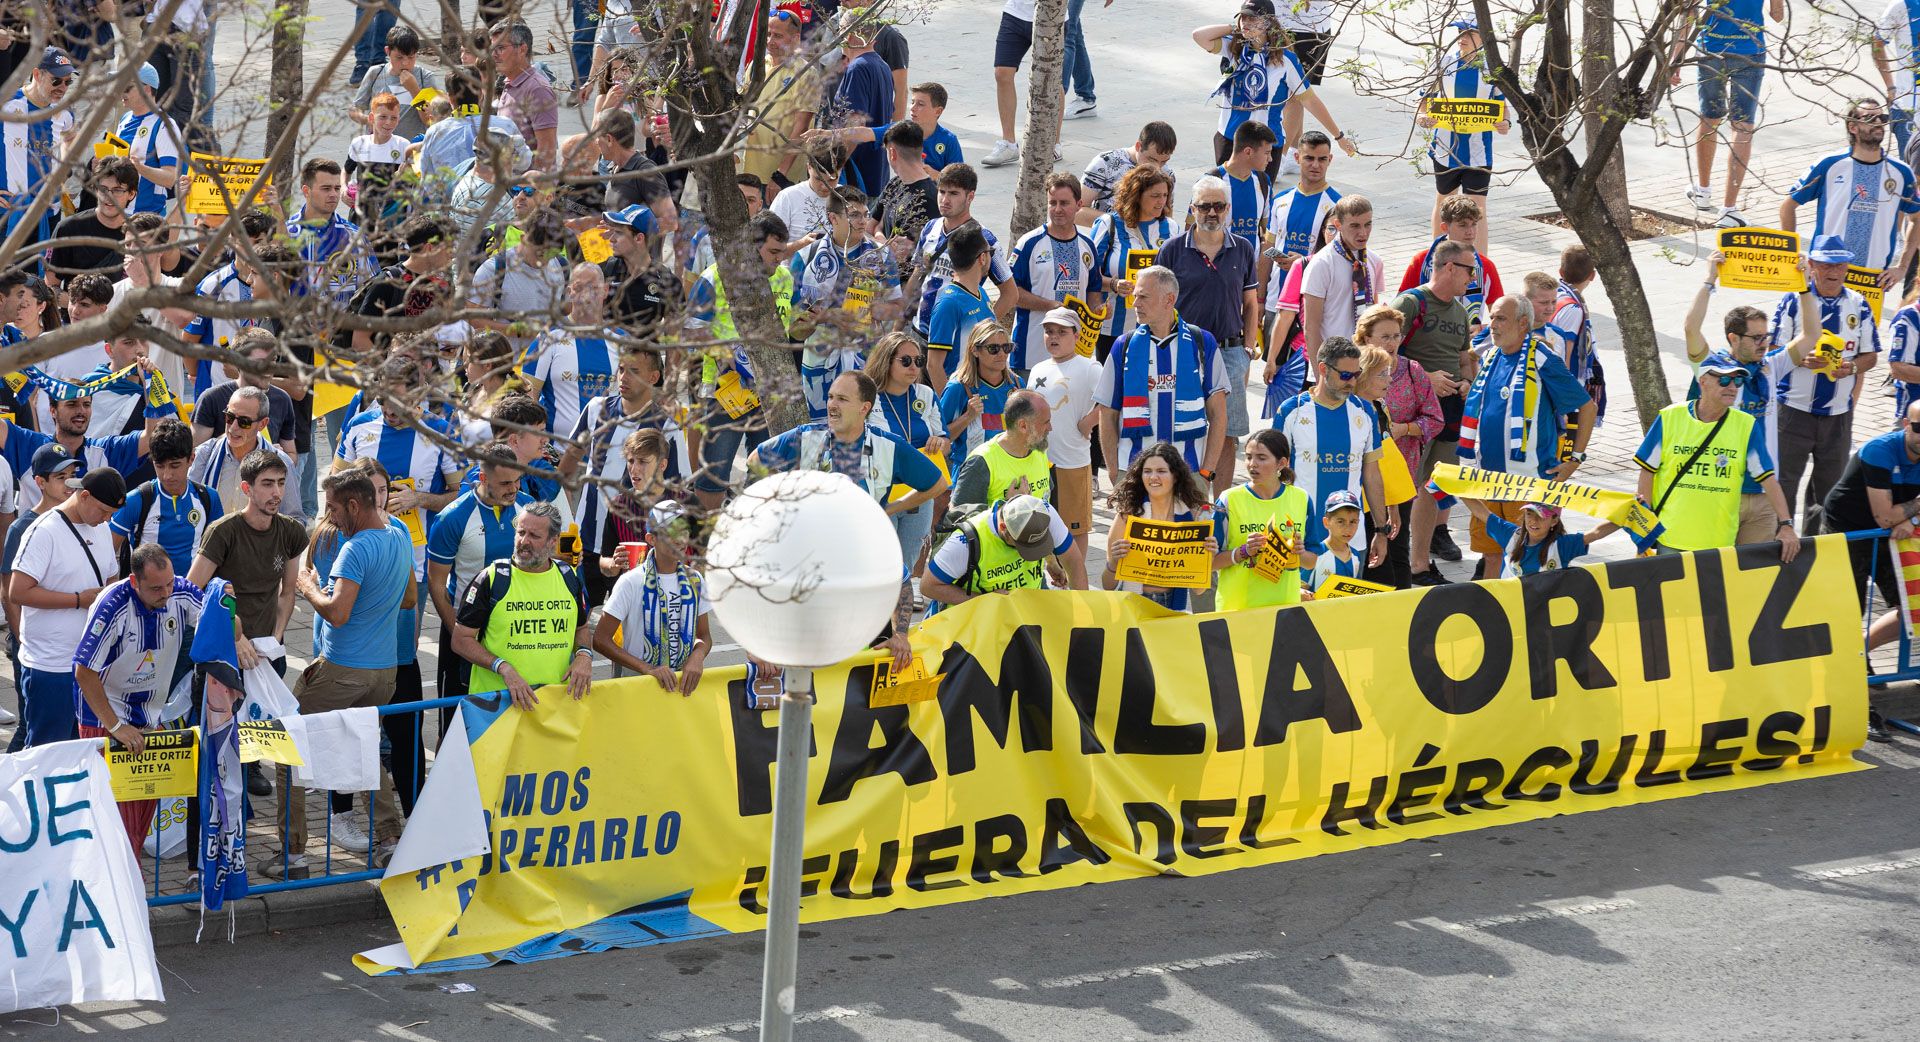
538 472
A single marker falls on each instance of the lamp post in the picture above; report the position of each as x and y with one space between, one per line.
803 570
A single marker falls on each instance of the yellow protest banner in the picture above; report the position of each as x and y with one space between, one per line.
416 527
1137 262
1090 321
594 246
1621 508
1866 282
1173 554
735 399
211 174
1761 258
110 145
1087 737
268 740
1277 556
1467 115
1342 586
169 765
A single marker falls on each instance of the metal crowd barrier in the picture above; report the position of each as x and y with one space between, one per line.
1904 668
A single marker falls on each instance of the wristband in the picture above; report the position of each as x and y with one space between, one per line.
584 651
497 664
1205 473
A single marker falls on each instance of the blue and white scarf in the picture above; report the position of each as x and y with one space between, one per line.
1147 416
667 637
1521 404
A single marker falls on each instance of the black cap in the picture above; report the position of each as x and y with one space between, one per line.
51 459
106 486
1264 7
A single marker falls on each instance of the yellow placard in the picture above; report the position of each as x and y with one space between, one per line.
1280 555
903 491
1092 737
1761 258
110 145
209 173
1170 554
735 399
416 527
1090 322
1137 262
1866 282
906 687
1621 508
1342 586
268 740
1467 115
328 396
595 248
169 765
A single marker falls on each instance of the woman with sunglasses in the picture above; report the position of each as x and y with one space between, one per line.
975 398
897 365
1140 222
1159 486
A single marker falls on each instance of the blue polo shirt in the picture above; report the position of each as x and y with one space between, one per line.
1212 289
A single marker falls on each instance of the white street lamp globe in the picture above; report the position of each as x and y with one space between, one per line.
803 569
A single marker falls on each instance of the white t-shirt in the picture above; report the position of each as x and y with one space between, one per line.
624 603
50 553
171 365
1068 388
803 211
1330 277
365 151
1022 9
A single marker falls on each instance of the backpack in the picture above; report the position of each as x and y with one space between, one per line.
1420 317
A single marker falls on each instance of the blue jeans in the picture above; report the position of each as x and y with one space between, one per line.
586 23
1902 129
912 528
1076 69
371 48
725 439
47 711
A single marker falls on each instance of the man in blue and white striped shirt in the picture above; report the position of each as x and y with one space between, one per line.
1817 396
1863 196
153 144
1297 215
35 140
574 364
1462 162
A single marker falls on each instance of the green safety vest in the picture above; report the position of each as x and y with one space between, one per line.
1004 468
531 626
1240 586
1703 513
781 281
996 565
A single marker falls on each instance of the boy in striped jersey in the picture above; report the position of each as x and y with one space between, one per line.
1296 215
1462 163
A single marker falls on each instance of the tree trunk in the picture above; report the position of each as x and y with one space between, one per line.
287 85
1596 66
1044 102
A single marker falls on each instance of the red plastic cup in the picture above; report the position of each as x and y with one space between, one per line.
636 552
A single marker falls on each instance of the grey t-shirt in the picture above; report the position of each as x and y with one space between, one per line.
381 81
1435 339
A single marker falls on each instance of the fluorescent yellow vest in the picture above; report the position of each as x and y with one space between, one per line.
532 628
1704 510
1004 468
1247 513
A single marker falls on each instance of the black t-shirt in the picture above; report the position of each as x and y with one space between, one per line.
74 258
624 191
1881 463
640 300
396 290
210 409
904 208
891 45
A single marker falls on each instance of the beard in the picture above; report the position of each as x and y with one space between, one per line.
533 560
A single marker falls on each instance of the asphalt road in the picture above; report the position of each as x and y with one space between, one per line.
1779 911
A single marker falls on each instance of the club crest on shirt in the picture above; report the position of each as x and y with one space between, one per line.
1887 186
1853 321
193 516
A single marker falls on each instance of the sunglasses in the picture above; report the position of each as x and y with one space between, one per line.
520 190
1871 121
1458 264
911 361
997 347
1732 379
1210 207
243 422
1346 376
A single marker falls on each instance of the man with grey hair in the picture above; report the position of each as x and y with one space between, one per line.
1219 293
1164 381
1513 414
522 622
244 422
526 97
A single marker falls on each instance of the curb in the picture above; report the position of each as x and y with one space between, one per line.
270 913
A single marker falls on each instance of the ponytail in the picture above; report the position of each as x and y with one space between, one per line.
1275 442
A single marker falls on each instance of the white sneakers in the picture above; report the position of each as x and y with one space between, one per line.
1081 108
7 717
347 833
1003 153
1700 196
1731 218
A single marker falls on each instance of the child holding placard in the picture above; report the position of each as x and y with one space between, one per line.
1258 527
1539 542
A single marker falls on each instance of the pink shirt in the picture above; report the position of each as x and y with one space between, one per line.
528 99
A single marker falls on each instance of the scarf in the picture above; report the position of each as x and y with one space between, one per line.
1184 416
663 644
1521 404
1362 275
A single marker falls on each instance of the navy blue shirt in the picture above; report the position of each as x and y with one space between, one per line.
1212 290
864 98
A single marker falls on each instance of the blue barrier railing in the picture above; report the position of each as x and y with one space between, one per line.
287 793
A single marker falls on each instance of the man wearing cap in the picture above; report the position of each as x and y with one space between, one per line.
1818 395
1067 380
1695 458
402 76
51 467
34 140
660 607
123 667
1744 329
65 560
999 551
643 292
152 142
1014 463
1865 198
